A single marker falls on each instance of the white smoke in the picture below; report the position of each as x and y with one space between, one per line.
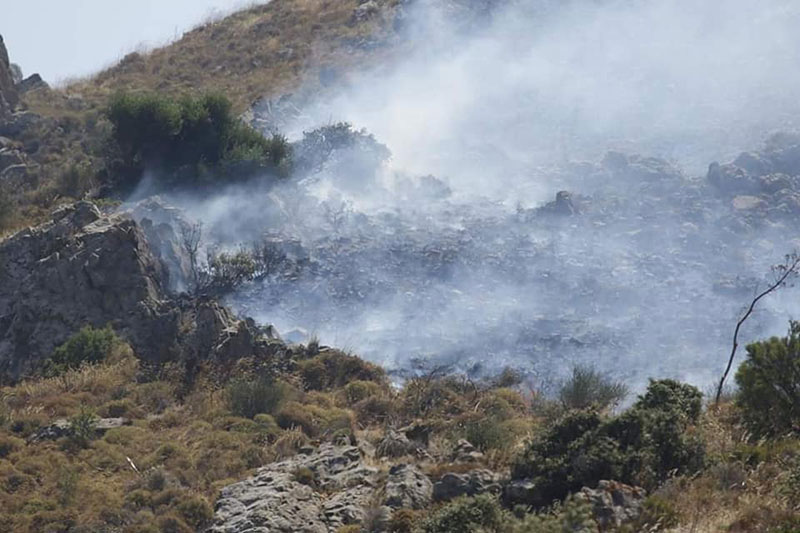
497 107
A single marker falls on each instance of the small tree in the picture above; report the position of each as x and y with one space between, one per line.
769 384
587 387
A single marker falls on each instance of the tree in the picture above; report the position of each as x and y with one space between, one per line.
782 272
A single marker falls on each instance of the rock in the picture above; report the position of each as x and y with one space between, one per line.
365 11
748 203
31 83
614 504
9 157
15 124
465 452
407 487
84 268
731 179
614 161
8 91
273 500
753 163
396 444
63 428
772 183
471 483
519 492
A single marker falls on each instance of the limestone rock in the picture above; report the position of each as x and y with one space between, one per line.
407 487
614 504
84 268
396 444
63 428
274 501
471 483
465 452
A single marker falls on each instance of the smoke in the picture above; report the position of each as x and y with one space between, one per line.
444 254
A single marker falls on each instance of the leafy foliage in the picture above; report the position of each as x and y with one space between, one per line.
467 515
178 138
642 446
89 346
769 384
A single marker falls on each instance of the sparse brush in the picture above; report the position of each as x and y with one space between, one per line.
587 387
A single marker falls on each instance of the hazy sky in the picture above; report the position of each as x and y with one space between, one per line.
60 39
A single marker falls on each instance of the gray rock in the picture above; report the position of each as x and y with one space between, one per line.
31 83
465 452
407 487
63 428
519 491
83 268
471 483
273 501
614 504
396 444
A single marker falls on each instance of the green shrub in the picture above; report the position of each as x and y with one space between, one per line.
88 346
314 420
487 434
467 515
769 385
180 137
248 398
359 390
82 427
587 387
642 446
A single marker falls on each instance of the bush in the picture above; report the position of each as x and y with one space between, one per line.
315 420
335 369
248 398
81 427
467 515
643 446
769 385
587 387
88 346
180 137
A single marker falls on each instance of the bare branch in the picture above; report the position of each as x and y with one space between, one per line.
781 274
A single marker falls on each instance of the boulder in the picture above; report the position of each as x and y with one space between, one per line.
275 499
465 452
614 504
31 83
84 268
63 428
396 444
472 483
407 487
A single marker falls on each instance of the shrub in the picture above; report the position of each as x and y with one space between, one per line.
182 136
89 346
81 427
9 445
359 390
769 384
587 387
248 398
315 420
334 369
487 434
643 446
467 515
195 510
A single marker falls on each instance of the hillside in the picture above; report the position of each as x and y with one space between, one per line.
269 50
208 327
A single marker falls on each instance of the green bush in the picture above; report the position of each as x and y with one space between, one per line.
178 138
88 346
587 387
248 398
769 385
81 427
335 369
467 515
642 446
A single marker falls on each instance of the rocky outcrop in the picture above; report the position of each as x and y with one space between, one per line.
64 428
85 268
472 483
315 492
8 90
407 487
614 504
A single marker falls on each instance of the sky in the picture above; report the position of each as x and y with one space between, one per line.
62 40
